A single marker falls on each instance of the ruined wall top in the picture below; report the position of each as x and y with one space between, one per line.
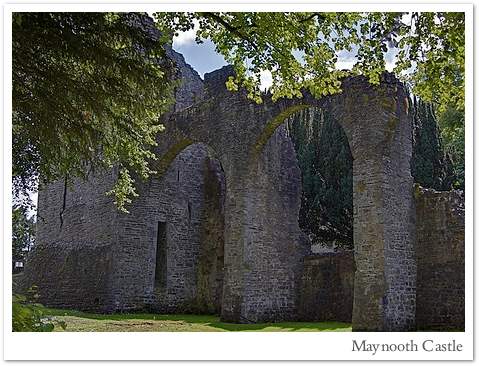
215 81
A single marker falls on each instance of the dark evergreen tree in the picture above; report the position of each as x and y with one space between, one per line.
87 93
451 123
431 167
326 164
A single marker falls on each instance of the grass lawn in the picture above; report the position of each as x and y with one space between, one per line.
78 321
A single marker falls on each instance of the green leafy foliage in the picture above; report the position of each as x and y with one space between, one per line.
434 43
28 316
451 122
88 91
289 45
23 232
301 49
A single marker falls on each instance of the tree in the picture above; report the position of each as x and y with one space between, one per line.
88 91
23 231
301 49
431 165
451 122
326 163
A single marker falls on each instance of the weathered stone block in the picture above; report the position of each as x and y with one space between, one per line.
327 287
440 258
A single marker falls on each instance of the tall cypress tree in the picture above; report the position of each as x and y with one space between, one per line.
431 167
325 161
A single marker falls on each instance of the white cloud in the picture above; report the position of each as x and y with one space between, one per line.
34 198
390 66
346 64
187 37
346 59
406 18
266 80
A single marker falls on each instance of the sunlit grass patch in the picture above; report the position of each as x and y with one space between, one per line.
78 321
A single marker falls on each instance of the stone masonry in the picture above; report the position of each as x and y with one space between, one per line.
440 259
327 288
76 230
328 278
216 230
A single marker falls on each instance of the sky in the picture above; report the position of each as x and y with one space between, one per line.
202 57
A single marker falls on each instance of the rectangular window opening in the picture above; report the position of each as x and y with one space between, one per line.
161 245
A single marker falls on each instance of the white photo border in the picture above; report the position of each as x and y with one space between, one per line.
231 345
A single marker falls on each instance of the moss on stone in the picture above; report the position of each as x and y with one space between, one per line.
166 160
389 104
364 98
273 124
391 126
417 191
360 187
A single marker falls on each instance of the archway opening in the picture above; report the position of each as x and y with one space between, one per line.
190 235
325 216
324 157
326 164
299 194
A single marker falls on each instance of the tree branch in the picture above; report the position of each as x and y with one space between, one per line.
312 16
230 28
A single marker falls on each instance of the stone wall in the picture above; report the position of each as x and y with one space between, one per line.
440 259
211 259
178 200
191 89
378 126
273 251
72 262
327 287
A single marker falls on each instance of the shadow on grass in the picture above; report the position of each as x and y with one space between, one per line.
207 320
284 326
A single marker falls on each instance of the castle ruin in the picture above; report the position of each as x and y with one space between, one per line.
216 230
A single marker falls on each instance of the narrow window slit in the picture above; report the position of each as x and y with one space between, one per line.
161 263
